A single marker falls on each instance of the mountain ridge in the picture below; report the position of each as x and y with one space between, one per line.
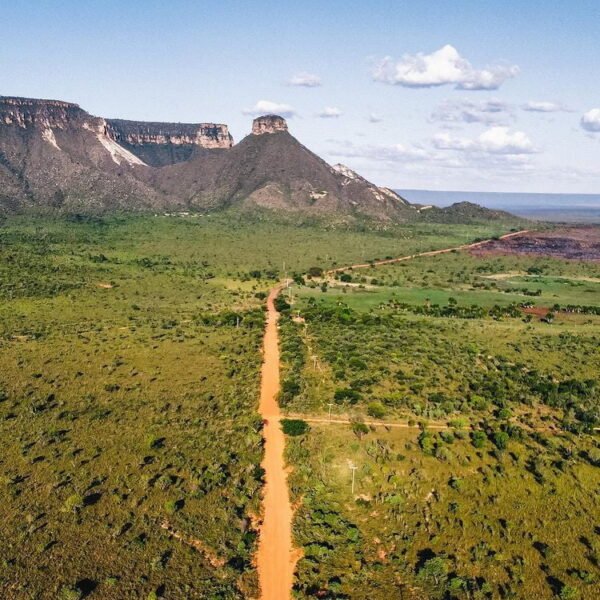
56 156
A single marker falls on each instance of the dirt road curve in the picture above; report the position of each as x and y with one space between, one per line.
276 558
430 253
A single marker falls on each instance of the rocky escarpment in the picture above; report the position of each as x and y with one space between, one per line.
268 124
54 155
159 144
28 112
381 194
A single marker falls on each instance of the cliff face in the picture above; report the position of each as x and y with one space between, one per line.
27 112
160 144
205 135
268 124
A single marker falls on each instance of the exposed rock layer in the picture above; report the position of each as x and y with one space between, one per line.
268 124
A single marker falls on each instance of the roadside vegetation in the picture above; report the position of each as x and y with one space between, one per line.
464 394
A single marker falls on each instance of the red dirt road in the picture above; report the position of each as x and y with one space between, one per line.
276 559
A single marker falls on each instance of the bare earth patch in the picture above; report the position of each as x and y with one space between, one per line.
574 243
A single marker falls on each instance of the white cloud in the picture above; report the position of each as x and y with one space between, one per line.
442 67
375 118
330 112
264 107
380 153
305 80
395 158
466 111
591 120
544 107
496 140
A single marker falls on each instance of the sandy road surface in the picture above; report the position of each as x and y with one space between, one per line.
276 558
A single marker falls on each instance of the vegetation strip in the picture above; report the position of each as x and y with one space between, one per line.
276 558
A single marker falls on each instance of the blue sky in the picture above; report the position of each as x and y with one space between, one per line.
387 102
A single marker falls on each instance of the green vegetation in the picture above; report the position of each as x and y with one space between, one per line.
484 501
130 443
294 426
129 436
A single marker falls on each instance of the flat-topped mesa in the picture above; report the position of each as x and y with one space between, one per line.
137 133
268 124
25 112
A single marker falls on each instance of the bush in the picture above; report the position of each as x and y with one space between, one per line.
568 593
427 443
315 272
172 506
68 592
478 439
294 426
359 429
376 410
455 483
346 394
433 575
346 277
74 503
500 439
281 304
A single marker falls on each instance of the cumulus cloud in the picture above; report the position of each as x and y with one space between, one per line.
330 112
263 107
442 67
466 111
305 80
591 120
495 140
544 107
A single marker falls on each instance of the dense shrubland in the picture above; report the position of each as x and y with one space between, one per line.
495 471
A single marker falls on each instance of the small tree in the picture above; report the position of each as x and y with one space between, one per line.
376 410
359 429
568 593
478 439
501 440
294 427
433 575
315 272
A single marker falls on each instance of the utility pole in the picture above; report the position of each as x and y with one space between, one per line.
353 467
330 407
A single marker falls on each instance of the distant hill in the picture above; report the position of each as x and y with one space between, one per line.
463 212
56 156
